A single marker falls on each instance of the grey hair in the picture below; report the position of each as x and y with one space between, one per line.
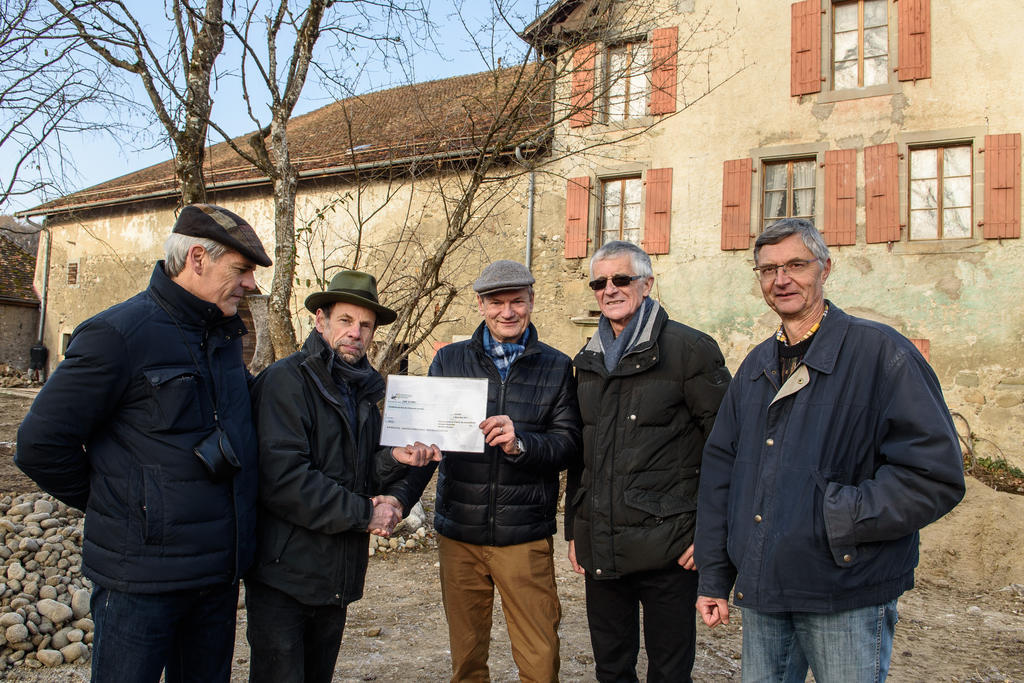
639 259
780 230
176 248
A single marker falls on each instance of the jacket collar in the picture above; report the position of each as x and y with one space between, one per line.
478 337
320 356
648 335
824 351
186 307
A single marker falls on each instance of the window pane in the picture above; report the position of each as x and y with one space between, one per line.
632 217
846 75
924 163
956 192
632 235
634 190
845 17
803 203
956 161
775 176
774 205
846 46
876 71
611 222
923 194
612 193
956 222
876 41
803 173
924 225
874 13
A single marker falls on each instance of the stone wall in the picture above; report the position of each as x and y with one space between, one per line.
18 329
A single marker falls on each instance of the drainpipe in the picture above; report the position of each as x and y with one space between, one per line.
46 277
529 209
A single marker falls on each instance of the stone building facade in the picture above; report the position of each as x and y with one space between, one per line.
688 125
19 305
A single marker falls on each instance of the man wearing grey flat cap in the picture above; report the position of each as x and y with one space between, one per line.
146 426
325 485
495 511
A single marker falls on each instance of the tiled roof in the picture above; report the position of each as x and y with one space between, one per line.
17 269
445 117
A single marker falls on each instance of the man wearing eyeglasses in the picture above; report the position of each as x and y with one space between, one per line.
649 389
832 448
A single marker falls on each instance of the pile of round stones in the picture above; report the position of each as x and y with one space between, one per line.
44 599
411 534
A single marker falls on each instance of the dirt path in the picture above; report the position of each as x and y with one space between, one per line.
963 622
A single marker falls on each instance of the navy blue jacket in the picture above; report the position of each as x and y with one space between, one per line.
812 493
493 498
112 433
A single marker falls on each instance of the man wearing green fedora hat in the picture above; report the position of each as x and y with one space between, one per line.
325 485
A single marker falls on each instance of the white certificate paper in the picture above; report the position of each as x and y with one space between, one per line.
446 411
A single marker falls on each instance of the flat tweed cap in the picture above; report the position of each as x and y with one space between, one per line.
220 225
501 276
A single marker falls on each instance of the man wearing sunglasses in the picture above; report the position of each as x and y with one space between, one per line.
649 389
832 448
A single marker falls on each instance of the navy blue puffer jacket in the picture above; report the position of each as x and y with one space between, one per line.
112 433
493 498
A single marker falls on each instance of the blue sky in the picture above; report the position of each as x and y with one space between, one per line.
98 158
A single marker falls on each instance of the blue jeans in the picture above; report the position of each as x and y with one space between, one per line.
290 642
844 647
190 633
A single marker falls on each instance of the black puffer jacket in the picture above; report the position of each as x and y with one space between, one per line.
492 498
317 475
633 505
112 433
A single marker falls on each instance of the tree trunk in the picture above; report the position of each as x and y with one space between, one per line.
282 333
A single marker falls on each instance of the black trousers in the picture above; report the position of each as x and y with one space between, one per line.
290 642
613 613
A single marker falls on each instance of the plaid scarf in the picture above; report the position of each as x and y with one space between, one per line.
504 353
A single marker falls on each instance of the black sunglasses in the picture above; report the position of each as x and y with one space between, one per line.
617 280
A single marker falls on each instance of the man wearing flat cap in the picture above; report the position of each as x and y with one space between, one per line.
325 485
495 511
146 426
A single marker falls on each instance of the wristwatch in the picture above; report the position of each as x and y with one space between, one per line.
520 446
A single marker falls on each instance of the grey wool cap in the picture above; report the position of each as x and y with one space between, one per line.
501 276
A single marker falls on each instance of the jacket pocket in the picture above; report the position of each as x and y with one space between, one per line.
657 504
151 505
175 392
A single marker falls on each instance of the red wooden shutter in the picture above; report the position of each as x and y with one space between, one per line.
840 197
583 61
1002 186
659 210
665 42
915 42
924 346
577 211
736 186
882 193
805 61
